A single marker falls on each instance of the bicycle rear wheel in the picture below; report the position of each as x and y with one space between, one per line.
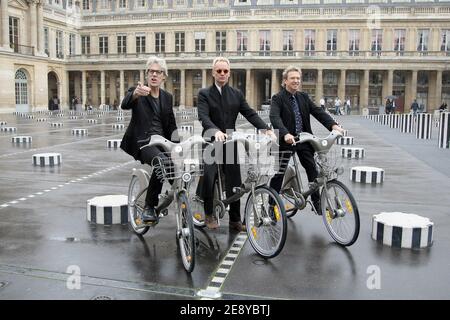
185 232
267 235
136 203
340 213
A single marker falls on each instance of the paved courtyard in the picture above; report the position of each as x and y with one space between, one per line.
44 232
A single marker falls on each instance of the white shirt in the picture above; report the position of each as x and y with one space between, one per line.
218 88
322 102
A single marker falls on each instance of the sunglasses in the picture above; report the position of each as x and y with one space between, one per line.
225 71
158 72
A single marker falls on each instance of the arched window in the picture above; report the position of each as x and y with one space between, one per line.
21 88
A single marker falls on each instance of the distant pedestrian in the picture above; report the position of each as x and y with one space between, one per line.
414 107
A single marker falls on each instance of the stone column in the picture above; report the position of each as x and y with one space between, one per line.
189 94
5 25
94 85
203 78
122 86
248 88
40 28
112 86
182 87
319 86
364 90
275 85
141 76
32 26
412 89
83 88
341 86
77 85
437 92
388 83
102 87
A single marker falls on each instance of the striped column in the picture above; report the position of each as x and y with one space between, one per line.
395 121
22 139
424 126
110 209
47 159
353 153
370 175
344 140
444 130
118 126
79 132
113 143
406 123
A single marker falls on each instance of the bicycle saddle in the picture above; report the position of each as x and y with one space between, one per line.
319 144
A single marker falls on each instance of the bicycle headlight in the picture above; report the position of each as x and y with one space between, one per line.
186 177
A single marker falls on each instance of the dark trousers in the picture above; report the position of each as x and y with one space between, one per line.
306 156
232 175
155 185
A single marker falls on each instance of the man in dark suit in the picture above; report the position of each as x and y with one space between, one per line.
152 114
290 113
218 108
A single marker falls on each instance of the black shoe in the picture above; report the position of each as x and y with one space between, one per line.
149 214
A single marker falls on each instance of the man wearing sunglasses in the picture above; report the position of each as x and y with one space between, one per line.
152 114
218 108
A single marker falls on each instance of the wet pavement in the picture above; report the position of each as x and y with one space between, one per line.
44 232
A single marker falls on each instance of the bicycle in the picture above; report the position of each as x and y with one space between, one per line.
174 164
264 213
338 207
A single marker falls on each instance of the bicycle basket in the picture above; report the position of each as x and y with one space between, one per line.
171 166
328 162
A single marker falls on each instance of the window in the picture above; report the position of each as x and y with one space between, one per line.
199 38
242 39
310 42
399 41
159 3
331 42
46 50
140 3
71 44
122 4
160 42
179 41
104 4
445 41
353 42
85 45
86 5
288 42
121 44
377 39
103 44
59 44
21 87
140 44
422 40
14 33
180 2
264 43
221 41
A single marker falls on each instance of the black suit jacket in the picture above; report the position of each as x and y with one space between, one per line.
140 121
282 116
219 111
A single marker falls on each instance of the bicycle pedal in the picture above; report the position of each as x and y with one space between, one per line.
163 213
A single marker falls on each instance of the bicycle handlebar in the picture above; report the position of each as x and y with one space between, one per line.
167 145
318 144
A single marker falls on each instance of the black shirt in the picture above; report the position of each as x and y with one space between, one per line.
156 126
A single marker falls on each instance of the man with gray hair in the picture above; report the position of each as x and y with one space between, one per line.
290 113
152 114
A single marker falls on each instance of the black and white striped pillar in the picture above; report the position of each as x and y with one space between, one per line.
92 121
402 230
187 128
22 139
113 143
3 123
395 121
41 119
8 129
56 124
47 159
352 153
118 126
406 123
108 210
73 117
79 132
444 130
369 175
424 126
344 140
185 117
119 118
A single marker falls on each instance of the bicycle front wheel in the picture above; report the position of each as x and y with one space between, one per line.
340 213
267 226
136 203
185 233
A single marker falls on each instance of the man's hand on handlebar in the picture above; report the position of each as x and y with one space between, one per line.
289 139
220 136
271 134
337 128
